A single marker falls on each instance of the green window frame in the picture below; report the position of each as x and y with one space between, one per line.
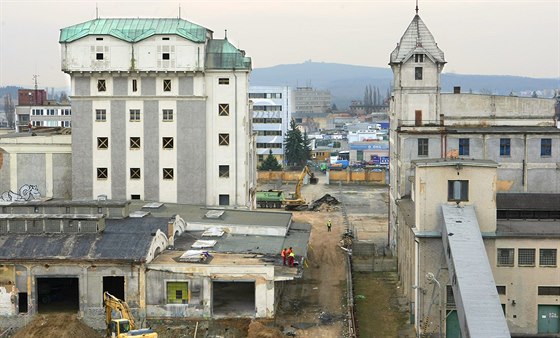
177 292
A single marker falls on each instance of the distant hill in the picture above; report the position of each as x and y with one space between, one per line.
348 82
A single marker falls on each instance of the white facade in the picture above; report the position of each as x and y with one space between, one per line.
43 116
272 111
160 112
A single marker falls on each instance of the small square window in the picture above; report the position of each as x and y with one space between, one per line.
100 115
223 109
526 257
134 143
418 73
134 173
134 115
223 139
223 199
102 173
166 85
168 115
422 147
167 142
167 173
505 147
505 257
457 190
177 292
102 142
224 171
101 86
99 56
223 81
546 147
134 85
547 257
501 289
165 56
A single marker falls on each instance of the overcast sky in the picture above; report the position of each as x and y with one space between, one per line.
494 37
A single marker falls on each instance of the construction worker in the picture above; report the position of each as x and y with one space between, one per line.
329 225
291 258
284 255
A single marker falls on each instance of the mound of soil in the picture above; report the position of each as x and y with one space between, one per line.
258 330
57 325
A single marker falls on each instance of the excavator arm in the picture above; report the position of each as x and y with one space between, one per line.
113 303
297 202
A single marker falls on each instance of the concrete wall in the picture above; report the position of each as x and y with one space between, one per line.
62 176
5 172
82 146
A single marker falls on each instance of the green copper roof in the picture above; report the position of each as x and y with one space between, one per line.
134 30
221 54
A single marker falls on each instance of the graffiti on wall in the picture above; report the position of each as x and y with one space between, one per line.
27 192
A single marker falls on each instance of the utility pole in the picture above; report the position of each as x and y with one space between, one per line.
432 279
35 76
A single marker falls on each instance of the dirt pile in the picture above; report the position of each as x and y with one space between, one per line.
57 325
323 203
259 330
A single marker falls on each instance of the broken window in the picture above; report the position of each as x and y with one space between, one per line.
102 173
167 173
223 139
101 86
223 109
167 142
102 142
166 85
224 171
135 143
177 292
134 173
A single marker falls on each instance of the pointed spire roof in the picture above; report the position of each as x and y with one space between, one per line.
417 39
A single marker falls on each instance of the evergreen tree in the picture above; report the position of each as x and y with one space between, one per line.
270 163
296 146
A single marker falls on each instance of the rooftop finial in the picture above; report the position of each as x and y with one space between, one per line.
96 11
225 34
179 11
416 7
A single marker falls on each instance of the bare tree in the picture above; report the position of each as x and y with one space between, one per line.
9 110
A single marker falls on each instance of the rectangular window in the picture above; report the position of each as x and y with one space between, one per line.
100 115
134 115
223 109
134 85
165 56
102 173
223 139
422 147
167 142
99 39
546 147
457 190
134 173
101 86
165 38
99 56
134 143
418 57
223 81
501 289
177 293
418 73
547 257
224 171
464 144
449 299
167 115
166 85
167 173
134 197
223 199
102 142
505 147
526 257
505 257
549 290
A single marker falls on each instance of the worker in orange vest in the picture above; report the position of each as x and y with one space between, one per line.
284 256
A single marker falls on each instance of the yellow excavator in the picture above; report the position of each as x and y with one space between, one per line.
124 326
296 201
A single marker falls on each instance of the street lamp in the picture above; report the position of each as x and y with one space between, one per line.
432 279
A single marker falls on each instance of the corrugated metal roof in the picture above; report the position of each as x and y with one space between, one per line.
417 39
134 30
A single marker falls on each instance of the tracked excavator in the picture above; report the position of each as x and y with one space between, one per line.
125 326
296 201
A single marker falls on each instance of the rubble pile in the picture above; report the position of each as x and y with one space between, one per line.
326 201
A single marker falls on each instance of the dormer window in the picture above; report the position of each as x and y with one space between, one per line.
418 57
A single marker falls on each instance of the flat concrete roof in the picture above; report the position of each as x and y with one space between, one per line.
443 162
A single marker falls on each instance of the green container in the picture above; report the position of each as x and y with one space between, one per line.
270 199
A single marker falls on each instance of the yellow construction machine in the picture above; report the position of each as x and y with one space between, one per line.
296 201
124 326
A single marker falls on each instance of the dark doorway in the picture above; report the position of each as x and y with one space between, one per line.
115 286
22 302
57 294
233 299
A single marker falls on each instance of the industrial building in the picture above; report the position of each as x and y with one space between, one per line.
160 109
473 201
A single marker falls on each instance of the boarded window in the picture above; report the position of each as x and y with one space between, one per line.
101 86
166 85
223 109
224 171
167 142
135 143
167 173
177 292
223 139
102 142
134 173
102 173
